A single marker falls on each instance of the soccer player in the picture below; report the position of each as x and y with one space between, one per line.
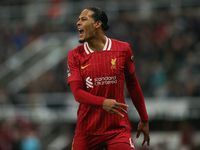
97 70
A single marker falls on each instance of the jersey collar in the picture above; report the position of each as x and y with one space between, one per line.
107 46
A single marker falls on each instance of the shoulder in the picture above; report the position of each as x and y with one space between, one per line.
120 45
76 51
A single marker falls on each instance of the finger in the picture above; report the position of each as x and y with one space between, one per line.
121 109
148 141
122 104
143 142
118 113
138 134
112 112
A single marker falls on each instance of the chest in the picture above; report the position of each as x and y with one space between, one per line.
103 64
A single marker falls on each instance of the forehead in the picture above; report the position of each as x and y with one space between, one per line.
86 13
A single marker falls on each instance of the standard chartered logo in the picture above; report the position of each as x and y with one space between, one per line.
105 80
101 81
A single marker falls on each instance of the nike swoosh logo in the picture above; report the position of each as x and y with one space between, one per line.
83 67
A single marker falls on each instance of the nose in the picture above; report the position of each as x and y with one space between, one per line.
78 22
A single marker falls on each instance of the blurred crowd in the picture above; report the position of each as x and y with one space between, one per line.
166 50
19 134
22 134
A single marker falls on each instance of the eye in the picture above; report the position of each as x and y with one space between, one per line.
83 18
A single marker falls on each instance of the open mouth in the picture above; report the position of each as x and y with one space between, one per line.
80 32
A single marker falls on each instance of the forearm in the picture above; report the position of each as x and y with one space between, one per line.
137 98
84 97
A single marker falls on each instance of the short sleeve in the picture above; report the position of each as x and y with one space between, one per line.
73 71
129 66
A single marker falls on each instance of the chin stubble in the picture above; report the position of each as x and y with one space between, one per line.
81 41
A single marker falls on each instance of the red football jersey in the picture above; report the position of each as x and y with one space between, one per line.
102 74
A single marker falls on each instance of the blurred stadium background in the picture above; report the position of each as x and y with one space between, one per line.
37 108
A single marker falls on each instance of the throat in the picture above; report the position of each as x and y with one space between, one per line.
96 47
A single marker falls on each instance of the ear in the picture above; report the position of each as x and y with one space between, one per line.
98 24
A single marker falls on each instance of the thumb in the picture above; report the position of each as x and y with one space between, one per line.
138 134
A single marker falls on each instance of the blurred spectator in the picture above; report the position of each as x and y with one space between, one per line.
5 135
25 137
16 137
30 141
19 37
187 136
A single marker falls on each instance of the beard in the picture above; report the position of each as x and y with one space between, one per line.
86 39
81 41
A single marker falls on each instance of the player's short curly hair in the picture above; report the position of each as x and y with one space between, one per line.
100 15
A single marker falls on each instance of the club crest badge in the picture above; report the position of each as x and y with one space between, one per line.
113 63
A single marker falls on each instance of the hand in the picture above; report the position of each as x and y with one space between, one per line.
144 127
112 106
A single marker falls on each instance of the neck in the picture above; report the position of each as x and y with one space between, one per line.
97 43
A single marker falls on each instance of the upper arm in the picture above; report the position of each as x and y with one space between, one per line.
73 70
129 64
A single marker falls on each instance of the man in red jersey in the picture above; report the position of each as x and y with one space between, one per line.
96 73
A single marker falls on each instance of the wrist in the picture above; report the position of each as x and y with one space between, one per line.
145 121
103 99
